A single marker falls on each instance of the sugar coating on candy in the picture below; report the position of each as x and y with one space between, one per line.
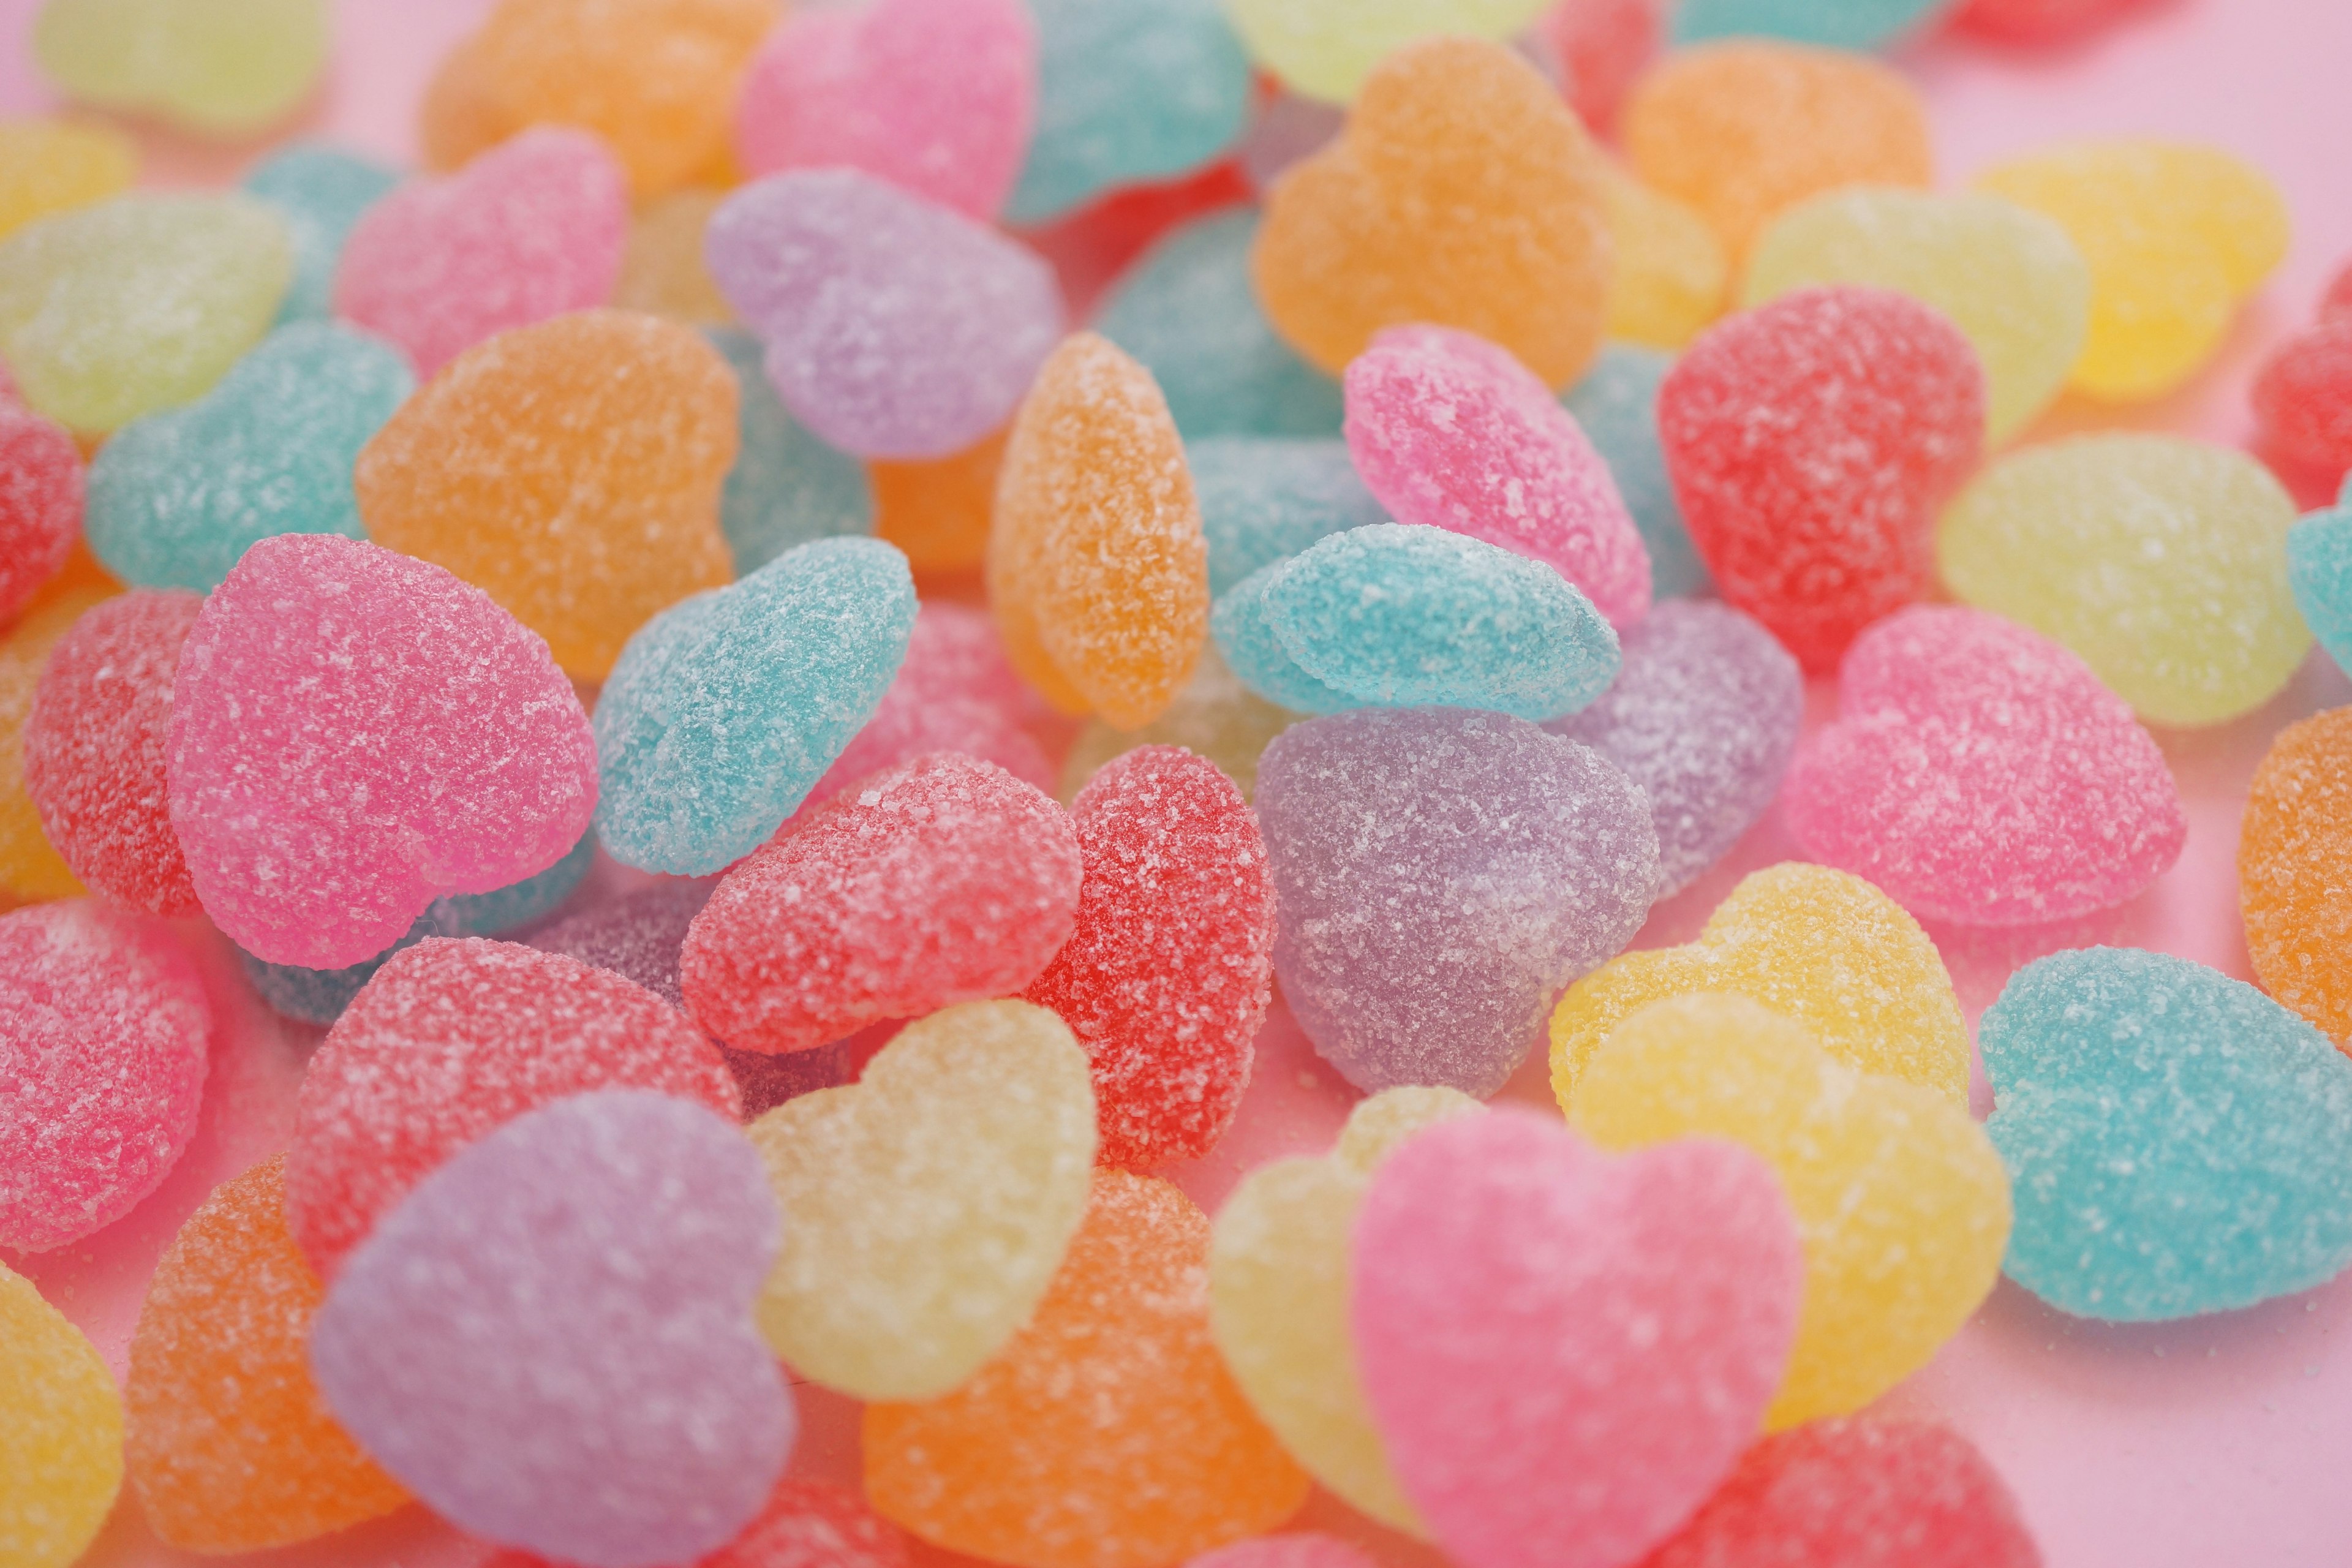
1440 874
1818 945
320 191
1327 48
175 498
104 1034
1811 442
786 487
2292 854
1097 568
1107 1434
1264 499
51 165
1671 267
1616 407
41 502
549 1341
2010 279
1840 23
138 303
30 866
1449 431
1525 1309
2304 397
2178 1141
2319 571
1215 716
636 936
227 69
60 1432
931 1201
1464 193
2159 561
895 327
1246 642
938 511
935 96
662 272
1303 1549
1979 772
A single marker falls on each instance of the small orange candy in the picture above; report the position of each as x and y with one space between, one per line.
1108 1434
2294 870
938 512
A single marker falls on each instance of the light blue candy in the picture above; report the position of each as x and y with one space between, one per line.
518 904
725 709
176 498
321 191
1840 23
1264 499
787 486
1617 405
1127 90
1187 312
2319 570
2178 1143
1242 625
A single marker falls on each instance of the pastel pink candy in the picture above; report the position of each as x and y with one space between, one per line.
531 229
1449 430
935 96
1302 1548
1565 1353
40 501
355 734
1980 772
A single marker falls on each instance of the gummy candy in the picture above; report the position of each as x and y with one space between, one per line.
550 1340
1302 1548
1601 45
937 512
935 96
1526 1308
1980 772
222 67
1462 194
1441 874
1671 269
175 498
1842 23
572 470
2178 1140
117 310
104 1031
322 191
60 1432
460 116
895 327
1820 946
1265 500
2304 397
2009 278
1107 1434
532 228
1900 1201
1097 569
1243 630
929 1203
786 487
724 711
662 272
30 868
806 1524
637 937
2319 570
1215 717
41 500
52 165
1328 48
2159 561
2290 869
1811 442
945 879
1616 407
2037 21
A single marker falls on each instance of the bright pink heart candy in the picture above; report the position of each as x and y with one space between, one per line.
40 502
1980 772
355 734
1566 1352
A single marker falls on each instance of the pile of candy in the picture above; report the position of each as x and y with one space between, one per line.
790 772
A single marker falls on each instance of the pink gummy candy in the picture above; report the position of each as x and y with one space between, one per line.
40 503
531 229
1566 1352
451 1039
1449 430
355 734
2304 397
935 96
104 1034
1302 1548
945 879
1601 45
94 748
806 1524
1980 772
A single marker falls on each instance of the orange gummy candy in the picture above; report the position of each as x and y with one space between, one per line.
460 116
30 867
1463 193
230 1447
1108 1433
938 512
2294 870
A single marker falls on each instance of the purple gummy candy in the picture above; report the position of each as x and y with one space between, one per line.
1440 875
550 1340
1703 715
895 327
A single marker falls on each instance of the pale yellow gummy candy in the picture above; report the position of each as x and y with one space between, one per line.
1324 48
1215 716
662 271
60 1432
1278 1268
225 66
1671 266
50 165
1900 1199
2009 278
2161 562
927 1206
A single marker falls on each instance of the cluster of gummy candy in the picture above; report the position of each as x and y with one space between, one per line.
499 619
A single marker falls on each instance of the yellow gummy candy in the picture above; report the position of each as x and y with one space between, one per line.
2009 278
1900 1199
1278 1284
222 67
928 1205
50 165
1671 267
1824 947
1325 48
662 272
30 867
2161 562
60 1432
1215 716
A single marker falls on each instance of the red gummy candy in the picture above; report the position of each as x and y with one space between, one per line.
40 503
806 1524
2337 302
2039 21
2304 395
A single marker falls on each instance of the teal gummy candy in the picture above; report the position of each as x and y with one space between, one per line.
2177 1142
2319 570
726 709
321 191
786 488
1187 312
518 904
1127 90
1242 623
1617 404
1839 24
1264 499
175 498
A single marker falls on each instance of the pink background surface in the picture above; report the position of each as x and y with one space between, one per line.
2219 1441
